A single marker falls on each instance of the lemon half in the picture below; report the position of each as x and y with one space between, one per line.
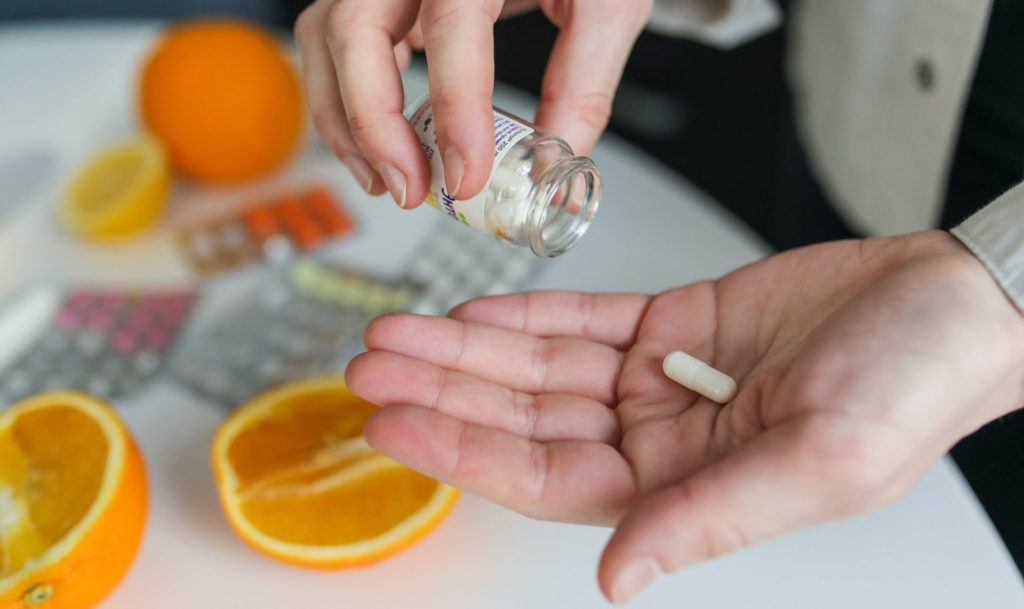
120 191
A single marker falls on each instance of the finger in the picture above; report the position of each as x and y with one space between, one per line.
361 35
770 486
387 379
458 39
324 99
518 361
403 54
682 319
584 482
611 319
586 64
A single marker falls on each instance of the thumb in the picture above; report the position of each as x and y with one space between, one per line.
778 482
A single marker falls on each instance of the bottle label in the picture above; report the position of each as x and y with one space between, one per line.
507 133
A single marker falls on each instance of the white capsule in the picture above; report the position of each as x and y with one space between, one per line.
694 374
510 182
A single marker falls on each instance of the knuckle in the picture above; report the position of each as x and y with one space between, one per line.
445 103
362 126
525 414
540 464
722 538
342 18
457 467
716 538
587 305
543 354
437 14
451 107
441 14
610 432
595 109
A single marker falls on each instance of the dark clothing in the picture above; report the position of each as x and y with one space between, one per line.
988 160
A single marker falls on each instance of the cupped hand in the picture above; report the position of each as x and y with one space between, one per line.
859 364
352 51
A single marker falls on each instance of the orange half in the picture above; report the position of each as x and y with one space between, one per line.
72 502
298 482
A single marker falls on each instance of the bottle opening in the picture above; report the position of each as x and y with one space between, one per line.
568 198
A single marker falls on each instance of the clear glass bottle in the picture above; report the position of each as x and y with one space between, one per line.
540 194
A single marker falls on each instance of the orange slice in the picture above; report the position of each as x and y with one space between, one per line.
298 482
119 191
72 502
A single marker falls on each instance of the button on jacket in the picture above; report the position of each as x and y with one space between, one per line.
880 87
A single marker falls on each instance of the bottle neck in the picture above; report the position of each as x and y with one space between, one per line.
563 202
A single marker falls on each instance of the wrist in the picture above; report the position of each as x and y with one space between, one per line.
989 312
1005 325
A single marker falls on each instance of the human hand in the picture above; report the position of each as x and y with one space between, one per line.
859 364
352 50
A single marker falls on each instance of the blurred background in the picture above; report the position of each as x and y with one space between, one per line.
722 119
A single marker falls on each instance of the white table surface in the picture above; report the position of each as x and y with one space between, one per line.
66 90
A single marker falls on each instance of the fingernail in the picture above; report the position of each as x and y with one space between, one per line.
454 169
633 578
395 181
361 171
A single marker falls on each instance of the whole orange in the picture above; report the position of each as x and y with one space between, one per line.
223 98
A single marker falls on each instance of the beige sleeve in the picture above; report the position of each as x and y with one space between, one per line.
720 23
995 234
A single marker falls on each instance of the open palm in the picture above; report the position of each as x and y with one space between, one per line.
849 358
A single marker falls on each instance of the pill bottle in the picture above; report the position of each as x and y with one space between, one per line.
540 195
